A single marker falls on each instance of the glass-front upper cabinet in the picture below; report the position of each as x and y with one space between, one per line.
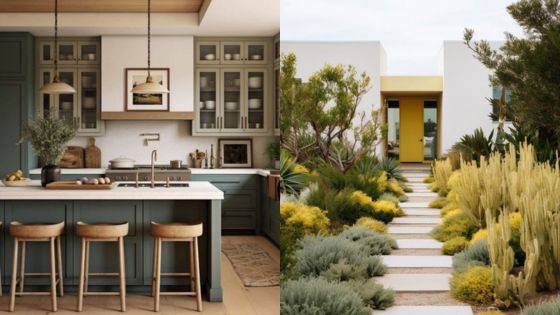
256 52
89 52
67 53
70 52
207 52
232 113
89 102
232 52
66 105
46 101
207 104
255 115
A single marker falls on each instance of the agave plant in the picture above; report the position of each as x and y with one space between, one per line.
392 168
472 147
291 182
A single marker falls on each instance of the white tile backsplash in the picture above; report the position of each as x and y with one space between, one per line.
122 138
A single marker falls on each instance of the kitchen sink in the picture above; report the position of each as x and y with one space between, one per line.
158 185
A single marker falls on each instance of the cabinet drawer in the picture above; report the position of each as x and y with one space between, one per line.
224 182
235 199
239 220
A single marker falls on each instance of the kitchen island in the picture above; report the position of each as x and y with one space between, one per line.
199 202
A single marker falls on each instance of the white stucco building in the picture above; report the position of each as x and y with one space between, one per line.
426 114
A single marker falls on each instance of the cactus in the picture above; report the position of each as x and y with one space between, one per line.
442 171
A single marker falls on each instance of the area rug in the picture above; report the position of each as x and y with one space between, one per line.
253 265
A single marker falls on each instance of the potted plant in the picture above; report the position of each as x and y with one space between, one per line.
48 136
273 152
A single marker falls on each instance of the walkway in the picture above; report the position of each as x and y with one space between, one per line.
417 271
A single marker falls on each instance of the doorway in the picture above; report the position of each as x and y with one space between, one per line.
412 128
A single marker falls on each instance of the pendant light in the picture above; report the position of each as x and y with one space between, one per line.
149 87
56 86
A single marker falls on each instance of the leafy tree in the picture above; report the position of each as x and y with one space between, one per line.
529 67
319 119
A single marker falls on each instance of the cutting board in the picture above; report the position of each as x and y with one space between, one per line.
71 185
93 155
73 158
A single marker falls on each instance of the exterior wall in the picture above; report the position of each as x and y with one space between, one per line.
465 91
364 56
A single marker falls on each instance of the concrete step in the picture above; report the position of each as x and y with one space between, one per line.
422 212
422 194
411 229
409 204
410 261
416 282
419 244
417 220
426 310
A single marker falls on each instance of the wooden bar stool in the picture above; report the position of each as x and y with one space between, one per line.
176 232
105 232
25 233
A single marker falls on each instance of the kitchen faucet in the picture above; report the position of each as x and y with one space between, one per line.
154 158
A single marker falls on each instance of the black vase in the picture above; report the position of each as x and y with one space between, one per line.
49 174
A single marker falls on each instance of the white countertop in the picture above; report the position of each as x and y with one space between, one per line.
194 171
195 191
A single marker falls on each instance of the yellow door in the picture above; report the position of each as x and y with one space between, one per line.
411 129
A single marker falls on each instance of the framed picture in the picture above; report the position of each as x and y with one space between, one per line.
237 153
146 102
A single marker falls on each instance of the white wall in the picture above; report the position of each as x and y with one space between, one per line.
122 138
466 88
173 52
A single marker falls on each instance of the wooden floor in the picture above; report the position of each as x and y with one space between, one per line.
237 298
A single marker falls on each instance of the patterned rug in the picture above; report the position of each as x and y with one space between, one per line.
253 265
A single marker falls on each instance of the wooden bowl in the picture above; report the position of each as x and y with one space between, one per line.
18 183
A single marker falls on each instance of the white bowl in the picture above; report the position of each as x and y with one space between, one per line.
255 82
255 103
88 103
210 104
227 56
236 56
210 57
231 106
256 57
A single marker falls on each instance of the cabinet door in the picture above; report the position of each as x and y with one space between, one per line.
207 53
256 95
88 52
46 52
89 109
46 102
67 53
207 101
66 104
232 101
232 53
256 53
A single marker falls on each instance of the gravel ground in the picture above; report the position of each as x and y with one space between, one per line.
417 252
425 298
419 270
410 236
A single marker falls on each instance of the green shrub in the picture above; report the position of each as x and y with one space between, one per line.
428 180
454 245
343 271
317 254
372 293
403 198
476 255
372 242
318 296
438 203
546 308
392 168
474 286
390 197
453 225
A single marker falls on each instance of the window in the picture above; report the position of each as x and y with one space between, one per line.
393 122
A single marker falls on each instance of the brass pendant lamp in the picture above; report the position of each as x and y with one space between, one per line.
149 87
56 86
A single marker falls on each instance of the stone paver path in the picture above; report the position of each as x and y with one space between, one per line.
420 274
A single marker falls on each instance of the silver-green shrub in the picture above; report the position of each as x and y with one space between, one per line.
476 255
547 308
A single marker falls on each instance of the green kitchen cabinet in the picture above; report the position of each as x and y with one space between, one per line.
270 214
104 255
36 253
16 89
241 200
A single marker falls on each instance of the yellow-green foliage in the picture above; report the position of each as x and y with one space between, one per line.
468 190
452 197
481 234
473 286
394 186
494 312
453 180
452 213
372 224
298 168
428 180
456 223
382 181
439 203
433 187
454 245
442 171
311 220
388 207
446 210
